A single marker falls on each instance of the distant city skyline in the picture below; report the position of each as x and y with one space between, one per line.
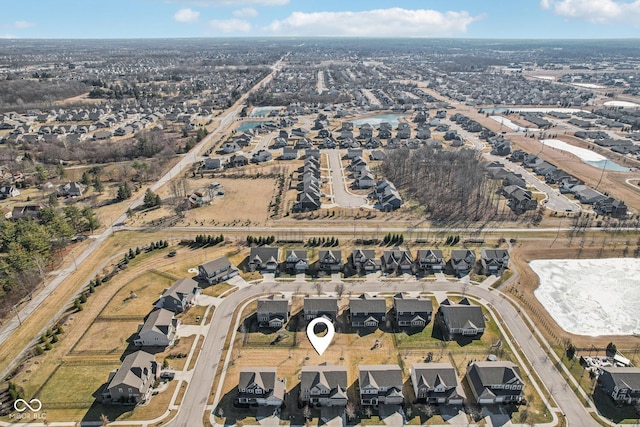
522 19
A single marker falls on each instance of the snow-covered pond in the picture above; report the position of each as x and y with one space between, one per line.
591 296
508 123
587 156
588 85
621 104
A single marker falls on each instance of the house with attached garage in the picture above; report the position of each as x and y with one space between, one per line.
158 330
326 307
261 387
330 261
621 383
436 383
216 271
494 261
8 191
380 384
462 261
589 196
398 260
323 385
430 261
264 258
180 296
296 261
495 382
367 311
365 260
131 383
289 153
412 312
273 311
460 320
212 163
71 189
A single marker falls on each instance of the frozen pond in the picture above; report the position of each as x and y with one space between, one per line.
376 120
508 123
587 156
591 296
262 111
621 104
530 110
247 126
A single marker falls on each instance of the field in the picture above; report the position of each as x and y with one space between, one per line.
137 298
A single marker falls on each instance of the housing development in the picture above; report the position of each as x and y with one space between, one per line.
465 213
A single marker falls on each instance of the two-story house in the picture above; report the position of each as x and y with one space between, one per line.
296 261
330 261
462 319
412 312
180 296
621 383
462 261
216 271
261 386
495 382
158 330
365 260
430 261
324 385
494 261
131 383
320 307
436 383
273 311
398 260
380 384
264 258
367 311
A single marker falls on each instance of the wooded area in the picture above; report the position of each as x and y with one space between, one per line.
451 185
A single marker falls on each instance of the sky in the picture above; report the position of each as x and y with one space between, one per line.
522 19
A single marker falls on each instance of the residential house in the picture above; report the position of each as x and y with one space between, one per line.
365 260
238 160
412 312
324 385
71 189
589 196
158 330
436 383
367 311
320 307
494 261
430 261
132 382
621 383
231 147
261 386
462 261
273 311
377 155
352 153
26 212
8 191
462 319
495 382
264 258
330 261
398 260
296 261
611 206
180 296
216 271
289 153
212 163
380 384
261 156
365 181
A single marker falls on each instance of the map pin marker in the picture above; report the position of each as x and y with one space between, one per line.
320 343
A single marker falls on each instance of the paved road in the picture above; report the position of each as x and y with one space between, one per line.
342 196
186 161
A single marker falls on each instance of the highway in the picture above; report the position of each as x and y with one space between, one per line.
195 400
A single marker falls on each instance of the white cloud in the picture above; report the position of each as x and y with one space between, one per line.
598 11
393 22
21 25
8 36
245 12
186 16
234 2
230 25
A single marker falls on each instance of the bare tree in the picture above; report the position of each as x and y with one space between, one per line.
350 411
339 289
104 420
318 287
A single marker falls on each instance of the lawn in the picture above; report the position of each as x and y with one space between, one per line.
106 337
74 385
176 356
147 288
219 289
189 317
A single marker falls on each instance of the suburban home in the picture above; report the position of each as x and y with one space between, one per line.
330 261
494 261
8 191
621 383
398 260
264 258
27 211
71 189
216 271
323 385
611 206
462 261
364 181
462 319
261 156
436 383
289 153
212 163
367 311
238 160
231 147
158 330
273 311
380 384
132 382
296 261
589 196
320 307
261 386
430 261
412 312
180 296
495 382
365 260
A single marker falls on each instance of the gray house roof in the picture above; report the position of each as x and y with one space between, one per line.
320 304
324 377
180 288
135 367
433 374
265 378
264 254
217 264
412 305
159 320
367 304
462 316
483 376
620 377
377 376
273 304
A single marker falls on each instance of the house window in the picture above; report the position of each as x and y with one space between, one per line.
119 390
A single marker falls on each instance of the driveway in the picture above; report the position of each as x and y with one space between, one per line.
342 196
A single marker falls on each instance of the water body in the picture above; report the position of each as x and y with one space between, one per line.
376 120
262 111
530 110
608 165
247 126
589 157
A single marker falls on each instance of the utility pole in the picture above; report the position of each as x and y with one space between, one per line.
17 314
